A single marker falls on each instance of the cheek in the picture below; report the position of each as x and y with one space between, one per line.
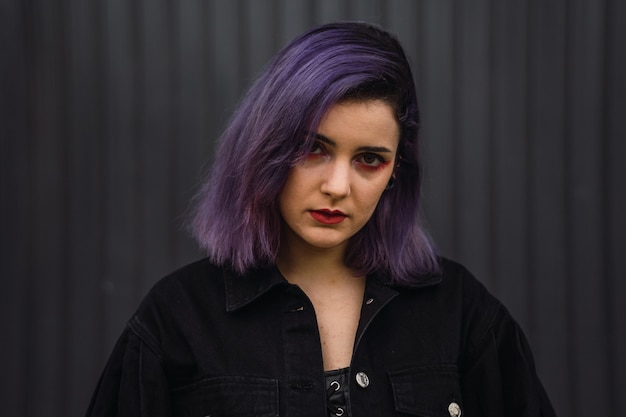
370 196
285 199
292 191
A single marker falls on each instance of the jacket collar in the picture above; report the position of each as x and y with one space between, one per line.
241 290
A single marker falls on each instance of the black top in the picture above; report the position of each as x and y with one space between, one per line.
208 342
337 392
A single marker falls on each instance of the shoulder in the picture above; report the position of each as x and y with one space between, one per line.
184 285
493 348
474 308
178 298
457 285
455 294
474 295
484 319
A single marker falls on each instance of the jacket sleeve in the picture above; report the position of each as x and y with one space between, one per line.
133 382
498 376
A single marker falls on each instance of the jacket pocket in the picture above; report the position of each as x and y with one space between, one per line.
230 396
427 391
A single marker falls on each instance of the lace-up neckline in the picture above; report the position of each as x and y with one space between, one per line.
337 392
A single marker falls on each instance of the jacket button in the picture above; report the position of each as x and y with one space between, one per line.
362 379
454 409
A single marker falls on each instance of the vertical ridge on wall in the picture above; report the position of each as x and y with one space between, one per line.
330 10
615 198
193 112
547 142
227 42
509 85
293 17
46 295
584 199
155 132
84 144
116 286
473 133
15 76
435 93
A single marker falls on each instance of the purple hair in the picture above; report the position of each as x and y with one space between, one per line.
237 218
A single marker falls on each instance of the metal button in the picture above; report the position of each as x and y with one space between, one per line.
362 379
369 301
454 409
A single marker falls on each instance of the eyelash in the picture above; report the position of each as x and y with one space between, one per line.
318 150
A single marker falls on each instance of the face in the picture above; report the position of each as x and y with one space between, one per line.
332 194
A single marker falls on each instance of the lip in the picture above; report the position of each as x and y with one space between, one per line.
326 216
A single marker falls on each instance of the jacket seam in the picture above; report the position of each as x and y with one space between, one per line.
474 349
141 331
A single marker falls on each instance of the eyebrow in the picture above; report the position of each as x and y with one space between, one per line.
331 142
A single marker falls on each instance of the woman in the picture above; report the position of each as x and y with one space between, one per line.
321 294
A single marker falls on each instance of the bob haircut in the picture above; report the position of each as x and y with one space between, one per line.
236 216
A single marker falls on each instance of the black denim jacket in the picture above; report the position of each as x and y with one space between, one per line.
205 342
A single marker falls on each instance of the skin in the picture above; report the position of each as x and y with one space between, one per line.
348 170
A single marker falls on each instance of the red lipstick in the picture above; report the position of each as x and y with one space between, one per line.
326 216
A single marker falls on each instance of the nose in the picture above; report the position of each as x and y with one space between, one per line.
336 182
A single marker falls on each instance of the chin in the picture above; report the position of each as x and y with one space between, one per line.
323 242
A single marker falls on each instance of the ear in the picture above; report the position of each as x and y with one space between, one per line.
392 182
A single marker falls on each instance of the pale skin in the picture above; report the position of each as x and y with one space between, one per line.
347 170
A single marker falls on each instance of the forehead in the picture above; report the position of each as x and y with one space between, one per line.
370 122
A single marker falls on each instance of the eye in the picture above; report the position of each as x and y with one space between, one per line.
317 150
371 160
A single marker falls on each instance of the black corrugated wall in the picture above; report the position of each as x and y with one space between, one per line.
109 114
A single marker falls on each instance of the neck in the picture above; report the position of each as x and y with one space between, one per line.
305 266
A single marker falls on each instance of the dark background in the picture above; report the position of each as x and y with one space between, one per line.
109 114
